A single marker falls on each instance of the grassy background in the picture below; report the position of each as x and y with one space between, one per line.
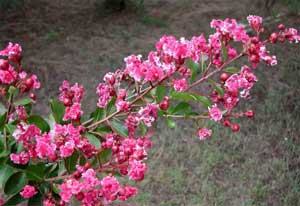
259 166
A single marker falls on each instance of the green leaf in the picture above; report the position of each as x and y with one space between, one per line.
14 200
71 161
4 153
232 70
160 93
36 200
55 189
39 122
58 110
5 171
28 108
171 123
15 183
216 87
98 114
11 91
195 68
120 128
184 96
2 108
103 129
111 106
2 119
23 101
35 172
93 140
105 155
181 108
143 128
10 128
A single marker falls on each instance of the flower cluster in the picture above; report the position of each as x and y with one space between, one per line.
84 158
71 97
11 72
28 191
89 190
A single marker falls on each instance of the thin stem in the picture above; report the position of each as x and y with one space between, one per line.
146 91
187 117
213 72
87 122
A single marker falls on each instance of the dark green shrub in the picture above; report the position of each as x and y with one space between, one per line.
6 5
119 5
293 5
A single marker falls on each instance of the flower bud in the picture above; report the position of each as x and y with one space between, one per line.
224 77
164 105
77 175
281 27
235 127
32 96
254 40
4 64
29 83
249 113
261 30
67 101
273 38
79 196
87 165
254 58
226 123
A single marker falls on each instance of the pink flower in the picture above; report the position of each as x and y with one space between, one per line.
231 52
132 123
126 192
104 92
110 187
204 133
48 202
230 28
44 148
255 22
13 51
133 67
122 105
22 158
28 191
69 188
215 113
1 201
24 132
148 114
21 112
90 179
8 76
229 101
67 149
180 85
292 35
137 170
74 92
73 112
197 47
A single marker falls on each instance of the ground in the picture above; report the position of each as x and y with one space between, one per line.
260 165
